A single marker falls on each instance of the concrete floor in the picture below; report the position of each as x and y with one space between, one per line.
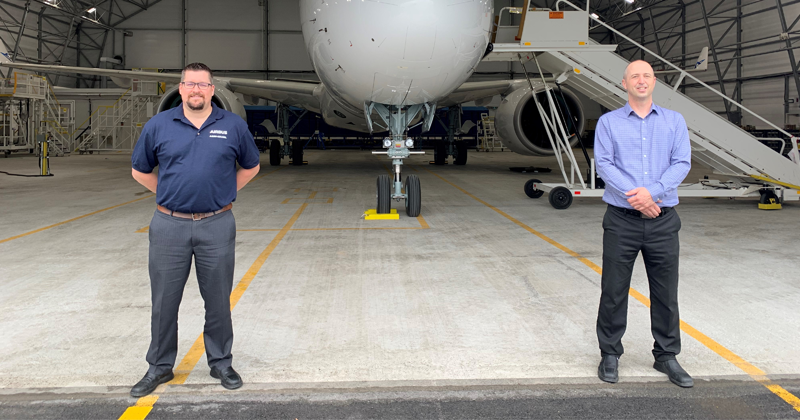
466 295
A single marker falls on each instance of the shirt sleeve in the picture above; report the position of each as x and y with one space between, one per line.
605 160
680 161
144 158
249 156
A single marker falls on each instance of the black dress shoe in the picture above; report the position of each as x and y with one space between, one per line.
608 370
149 383
227 377
675 372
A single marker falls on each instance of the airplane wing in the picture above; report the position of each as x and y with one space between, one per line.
292 93
474 91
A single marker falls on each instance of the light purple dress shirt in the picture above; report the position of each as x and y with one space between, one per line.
652 152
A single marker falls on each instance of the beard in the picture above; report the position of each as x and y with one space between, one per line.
199 106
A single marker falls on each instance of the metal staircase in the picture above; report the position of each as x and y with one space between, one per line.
596 71
31 109
117 127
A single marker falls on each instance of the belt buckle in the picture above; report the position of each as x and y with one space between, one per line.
196 216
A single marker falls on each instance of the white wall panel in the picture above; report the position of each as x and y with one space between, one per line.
765 98
163 15
288 52
284 15
225 50
229 14
159 49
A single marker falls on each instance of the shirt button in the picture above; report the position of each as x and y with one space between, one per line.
642 137
645 155
198 133
645 173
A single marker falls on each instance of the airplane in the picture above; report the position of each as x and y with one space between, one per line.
383 67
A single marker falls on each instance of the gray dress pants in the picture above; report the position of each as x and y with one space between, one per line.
624 236
173 243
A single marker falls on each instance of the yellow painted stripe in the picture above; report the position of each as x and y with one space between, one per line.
143 406
754 372
263 175
422 222
775 181
312 195
75 218
240 288
136 413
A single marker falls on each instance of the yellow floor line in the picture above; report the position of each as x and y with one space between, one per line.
754 372
142 230
422 223
75 218
143 405
263 175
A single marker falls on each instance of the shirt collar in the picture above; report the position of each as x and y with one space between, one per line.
179 115
628 110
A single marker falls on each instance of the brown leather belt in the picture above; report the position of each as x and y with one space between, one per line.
193 216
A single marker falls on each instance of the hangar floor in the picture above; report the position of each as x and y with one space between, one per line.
486 302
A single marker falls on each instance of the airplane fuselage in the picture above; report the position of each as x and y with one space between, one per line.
392 52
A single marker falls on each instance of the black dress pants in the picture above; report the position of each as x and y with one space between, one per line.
173 244
624 236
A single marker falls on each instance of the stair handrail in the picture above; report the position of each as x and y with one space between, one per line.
682 71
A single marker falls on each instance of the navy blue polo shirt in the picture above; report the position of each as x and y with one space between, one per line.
197 168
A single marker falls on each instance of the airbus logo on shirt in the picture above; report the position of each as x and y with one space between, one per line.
219 134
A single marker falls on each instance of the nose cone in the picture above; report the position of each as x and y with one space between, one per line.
395 52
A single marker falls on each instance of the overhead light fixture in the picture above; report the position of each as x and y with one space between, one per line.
92 10
594 15
630 1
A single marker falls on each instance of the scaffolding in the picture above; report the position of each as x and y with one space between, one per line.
30 108
117 127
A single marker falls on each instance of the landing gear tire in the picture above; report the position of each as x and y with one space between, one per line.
440 154
413 196
531 191
384 194
275 153
297 152
560 198
461 153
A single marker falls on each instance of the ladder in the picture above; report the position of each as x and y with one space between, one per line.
487 134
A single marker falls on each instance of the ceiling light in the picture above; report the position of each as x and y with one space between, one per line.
630 1
92 10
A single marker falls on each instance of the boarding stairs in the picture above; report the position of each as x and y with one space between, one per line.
596 71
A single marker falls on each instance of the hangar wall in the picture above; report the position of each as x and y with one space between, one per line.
234 38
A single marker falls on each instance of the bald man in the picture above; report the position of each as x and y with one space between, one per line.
643 153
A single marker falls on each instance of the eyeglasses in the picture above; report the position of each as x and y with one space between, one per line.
191 85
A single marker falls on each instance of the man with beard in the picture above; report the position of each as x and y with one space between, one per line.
196 147
643 153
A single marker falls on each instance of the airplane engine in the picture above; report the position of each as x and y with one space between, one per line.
223 98
522 130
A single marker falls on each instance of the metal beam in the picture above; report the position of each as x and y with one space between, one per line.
792 61
716 66
19 34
